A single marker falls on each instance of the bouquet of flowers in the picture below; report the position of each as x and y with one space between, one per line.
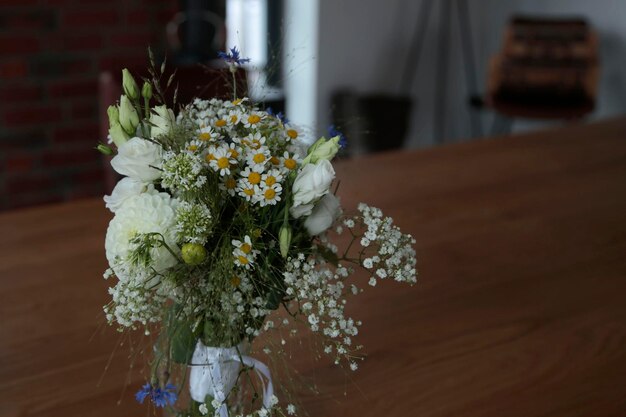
223 216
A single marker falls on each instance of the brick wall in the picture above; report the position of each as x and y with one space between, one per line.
51 52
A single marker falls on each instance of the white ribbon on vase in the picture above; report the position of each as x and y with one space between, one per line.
214 371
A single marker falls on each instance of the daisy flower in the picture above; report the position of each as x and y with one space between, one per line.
252 119
206 134
234 150
222 160
252 174
229 184
289 162
246 190
258 157
243 253
194 146
272 177
255 141
270 195
219 122
233 117
291 133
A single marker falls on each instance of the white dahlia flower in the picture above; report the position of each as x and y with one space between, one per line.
143 213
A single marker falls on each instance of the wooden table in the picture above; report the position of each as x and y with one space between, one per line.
520 308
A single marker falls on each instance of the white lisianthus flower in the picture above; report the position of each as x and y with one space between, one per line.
127 187
143 213
136 159
312 182
301 210
324 214
161 120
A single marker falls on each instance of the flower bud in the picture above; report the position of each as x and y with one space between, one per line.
193 253
104 149
129 119
284 238
114 115
118 135
129 85
146 90
322 149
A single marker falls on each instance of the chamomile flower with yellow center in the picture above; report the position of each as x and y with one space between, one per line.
255 141
289 162
210 154
194 146
233 117
258 157
234 150
291 133
252 119
229 184
206 134
272 177
252 174
219 122
270 195
275 161
222 161
244 246
235 103
247 191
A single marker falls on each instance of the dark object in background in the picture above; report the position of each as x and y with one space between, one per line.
547 69
197 33
371 123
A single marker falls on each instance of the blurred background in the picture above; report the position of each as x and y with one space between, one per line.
389 74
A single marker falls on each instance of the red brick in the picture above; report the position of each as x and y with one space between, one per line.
88 134
84 110
91 18
18 44
57 65
165 16
32 115
15 68
42 196
118 62
137 17
89 176
59 158
74 88
28 183
20 93
19 163
40 20
85 42
23 140
85 191
132 40
19 2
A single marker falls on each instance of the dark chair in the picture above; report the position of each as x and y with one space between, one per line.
547 69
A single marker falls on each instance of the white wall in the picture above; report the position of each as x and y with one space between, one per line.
301 65
363 46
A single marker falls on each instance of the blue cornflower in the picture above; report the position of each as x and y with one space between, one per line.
280 116
232 57
160 397
332 132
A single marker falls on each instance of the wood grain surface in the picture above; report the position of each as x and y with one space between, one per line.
520 307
